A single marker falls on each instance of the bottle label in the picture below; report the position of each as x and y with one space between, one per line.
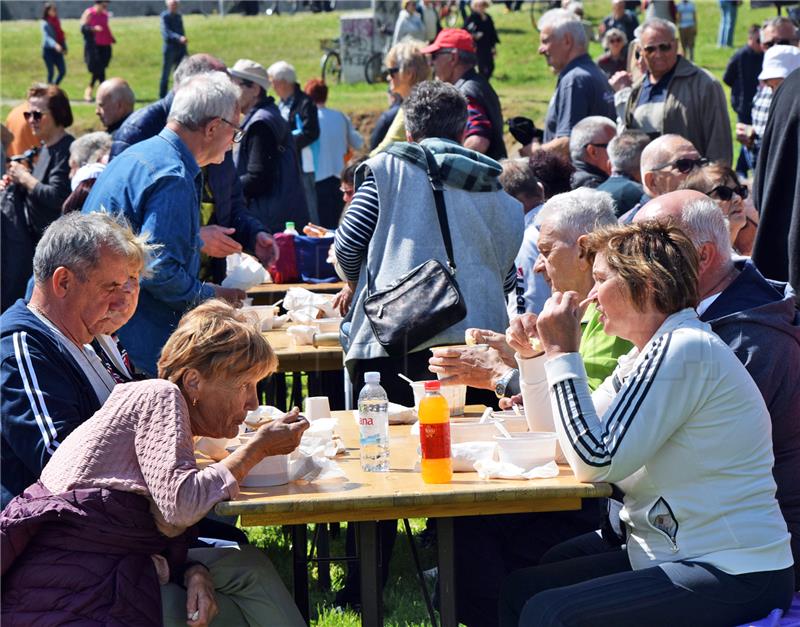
435 440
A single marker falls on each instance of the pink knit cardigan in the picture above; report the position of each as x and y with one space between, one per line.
140 441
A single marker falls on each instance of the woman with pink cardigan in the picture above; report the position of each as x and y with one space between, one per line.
102 536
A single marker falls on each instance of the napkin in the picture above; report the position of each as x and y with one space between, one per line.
467 454
302 334
490 469
243 272
306 305
316 467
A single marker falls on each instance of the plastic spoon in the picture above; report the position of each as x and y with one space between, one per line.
405 378
487 413
502 429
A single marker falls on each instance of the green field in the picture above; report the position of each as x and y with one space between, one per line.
522 80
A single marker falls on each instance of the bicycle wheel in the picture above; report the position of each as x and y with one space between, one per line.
373 68
331 67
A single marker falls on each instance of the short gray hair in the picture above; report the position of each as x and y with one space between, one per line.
656 23
614 32
435 109
777 22
517 178
282 71
204 97
585 132
89 148
703 221
579 212
199 63
625 151
75 241
561 22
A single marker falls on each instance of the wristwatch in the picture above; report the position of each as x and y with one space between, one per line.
502 383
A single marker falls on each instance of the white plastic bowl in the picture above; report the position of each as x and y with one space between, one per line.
272 470
472 431
513 422
527 450
262 313
328 325
455 395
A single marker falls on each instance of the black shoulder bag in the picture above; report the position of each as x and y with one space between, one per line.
423 302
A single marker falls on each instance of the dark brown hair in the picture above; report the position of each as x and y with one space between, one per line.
653 259
46 8
705 179
57 102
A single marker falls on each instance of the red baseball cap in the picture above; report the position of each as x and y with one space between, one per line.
451 38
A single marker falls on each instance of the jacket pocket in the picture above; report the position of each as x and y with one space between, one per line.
662 520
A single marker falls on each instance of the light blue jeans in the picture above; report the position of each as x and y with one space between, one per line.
727 25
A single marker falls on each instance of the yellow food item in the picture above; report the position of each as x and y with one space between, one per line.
536 344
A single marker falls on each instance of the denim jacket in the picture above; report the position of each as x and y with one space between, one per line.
157 184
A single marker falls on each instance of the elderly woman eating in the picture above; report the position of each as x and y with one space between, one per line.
102 537
683 431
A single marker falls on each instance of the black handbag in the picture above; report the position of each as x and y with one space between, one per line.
423 302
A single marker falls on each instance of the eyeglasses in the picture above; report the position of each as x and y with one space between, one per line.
391 71
36 115
615 40
724 193
766 45
439 53
684 165
663 47
347 191
596 145
238 133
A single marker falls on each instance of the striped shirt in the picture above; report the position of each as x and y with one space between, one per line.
358 226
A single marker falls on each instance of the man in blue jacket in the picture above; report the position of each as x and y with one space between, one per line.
157 185
51 381
227 228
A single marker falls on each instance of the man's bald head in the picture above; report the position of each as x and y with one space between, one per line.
659 174
114 101
668 206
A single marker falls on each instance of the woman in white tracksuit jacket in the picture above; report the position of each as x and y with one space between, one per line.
683 431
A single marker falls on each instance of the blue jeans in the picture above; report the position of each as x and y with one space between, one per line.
172 56
727 23
54 61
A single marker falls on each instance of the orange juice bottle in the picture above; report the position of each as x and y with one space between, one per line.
434 436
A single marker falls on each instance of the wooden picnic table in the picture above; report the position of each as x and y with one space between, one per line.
270 293
365 498
303 358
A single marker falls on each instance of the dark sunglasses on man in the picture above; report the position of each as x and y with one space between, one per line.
766 45
684 165
663 47
36 115
725 193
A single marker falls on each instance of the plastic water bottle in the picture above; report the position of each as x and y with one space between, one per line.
290 230
373 424
434 436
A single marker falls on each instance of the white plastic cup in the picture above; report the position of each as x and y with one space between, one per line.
317 407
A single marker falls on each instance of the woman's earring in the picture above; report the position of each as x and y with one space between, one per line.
194 402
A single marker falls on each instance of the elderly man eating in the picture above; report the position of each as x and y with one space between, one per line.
84 268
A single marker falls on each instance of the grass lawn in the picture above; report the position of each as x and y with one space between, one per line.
522 80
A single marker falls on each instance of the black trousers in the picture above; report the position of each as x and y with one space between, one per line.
602 589
99 59
329 202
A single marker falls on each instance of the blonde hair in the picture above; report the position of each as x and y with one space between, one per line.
653 259
407 55
219 342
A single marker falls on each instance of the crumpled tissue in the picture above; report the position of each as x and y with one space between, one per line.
305 306
302 334
490 469
243 271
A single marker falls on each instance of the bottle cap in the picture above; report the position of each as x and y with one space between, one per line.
372 377
432 386
289 225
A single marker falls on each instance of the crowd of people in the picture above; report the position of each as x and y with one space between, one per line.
626 280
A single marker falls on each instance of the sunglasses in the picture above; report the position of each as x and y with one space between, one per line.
36 115
391 71
684 165
238 133
665 47
615 40
724 193
766 45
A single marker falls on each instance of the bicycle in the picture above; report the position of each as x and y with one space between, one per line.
331 62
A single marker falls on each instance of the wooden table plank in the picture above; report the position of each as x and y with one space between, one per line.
303 358
270 293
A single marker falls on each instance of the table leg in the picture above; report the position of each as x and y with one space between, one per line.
300 564
370 560
447 579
